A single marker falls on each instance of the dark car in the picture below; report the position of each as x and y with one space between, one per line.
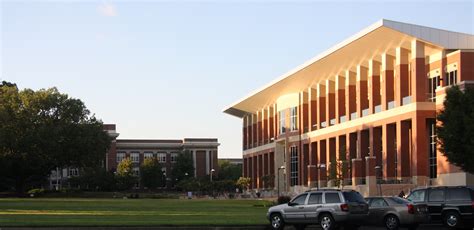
329 208
393 212
452 206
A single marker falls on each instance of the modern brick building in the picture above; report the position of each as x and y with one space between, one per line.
367 105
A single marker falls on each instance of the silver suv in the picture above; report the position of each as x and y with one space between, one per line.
329 208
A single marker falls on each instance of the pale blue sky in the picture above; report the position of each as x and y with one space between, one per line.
163 69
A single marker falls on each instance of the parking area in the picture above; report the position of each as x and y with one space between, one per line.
422 227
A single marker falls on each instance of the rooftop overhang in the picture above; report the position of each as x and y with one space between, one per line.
382 37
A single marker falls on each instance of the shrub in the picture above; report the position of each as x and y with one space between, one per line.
283 199
35 192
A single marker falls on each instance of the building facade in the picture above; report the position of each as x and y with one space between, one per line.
361 114
203 150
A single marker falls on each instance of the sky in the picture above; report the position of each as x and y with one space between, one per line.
167 69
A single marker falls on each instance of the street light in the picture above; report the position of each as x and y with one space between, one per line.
320 166
379 186
212 170
278 180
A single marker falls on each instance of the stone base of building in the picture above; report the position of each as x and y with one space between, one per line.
453 179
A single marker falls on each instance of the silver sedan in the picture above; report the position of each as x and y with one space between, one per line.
393 212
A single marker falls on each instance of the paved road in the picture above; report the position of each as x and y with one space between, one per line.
422 227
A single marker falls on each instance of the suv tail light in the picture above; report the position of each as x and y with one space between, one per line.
411 208
472 204
345 207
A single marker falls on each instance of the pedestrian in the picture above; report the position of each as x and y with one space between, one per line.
401 194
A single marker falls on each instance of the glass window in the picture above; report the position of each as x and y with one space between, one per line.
399 200
353 197
332 197
299 200
147 155
451 77
455 194
162 157
135 157
120 156
294 165
174 156
136 171
378 202
417 196
282 117
294 118
433 161
315 198
73 172
436 195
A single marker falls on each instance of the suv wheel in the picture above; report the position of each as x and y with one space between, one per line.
392 222
326 221
276 221
451 219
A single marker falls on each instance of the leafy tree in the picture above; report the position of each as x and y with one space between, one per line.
455 129
125 177
150 173
44 129
95 179
228 171
268 180
244 182
184 167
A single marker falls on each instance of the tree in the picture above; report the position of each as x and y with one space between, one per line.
150 173
184 167
228 171
44 129
455 129
125 177
244 182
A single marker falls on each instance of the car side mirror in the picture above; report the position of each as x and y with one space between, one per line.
291 204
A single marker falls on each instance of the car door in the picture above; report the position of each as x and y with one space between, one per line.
436 200
315 203
377 209
294 212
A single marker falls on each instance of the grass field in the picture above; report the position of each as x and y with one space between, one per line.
130 212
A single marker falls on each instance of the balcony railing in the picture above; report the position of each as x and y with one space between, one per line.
391 104
342 118
378 108
353 115
365 112
332 122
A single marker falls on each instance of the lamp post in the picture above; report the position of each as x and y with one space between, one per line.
320 166
379 186
278 180
212 171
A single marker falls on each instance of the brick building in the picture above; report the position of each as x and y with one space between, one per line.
366 106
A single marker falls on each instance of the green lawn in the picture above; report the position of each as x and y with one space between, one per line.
130 212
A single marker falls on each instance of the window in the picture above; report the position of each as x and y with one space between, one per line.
398 200
315 198
293 165
378 202
174 157
433 83
120 156
136 171
433 160
451 77
417 196
353 197
299 200
294 118
436 195
282 117
332 197
135 157
455 194
162 157
147 155
73 172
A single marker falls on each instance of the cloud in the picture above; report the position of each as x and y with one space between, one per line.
107 10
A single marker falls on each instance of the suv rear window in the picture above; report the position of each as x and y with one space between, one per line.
353 197
332 198
458 194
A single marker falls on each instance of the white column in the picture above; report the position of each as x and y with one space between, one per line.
194 162
207 163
